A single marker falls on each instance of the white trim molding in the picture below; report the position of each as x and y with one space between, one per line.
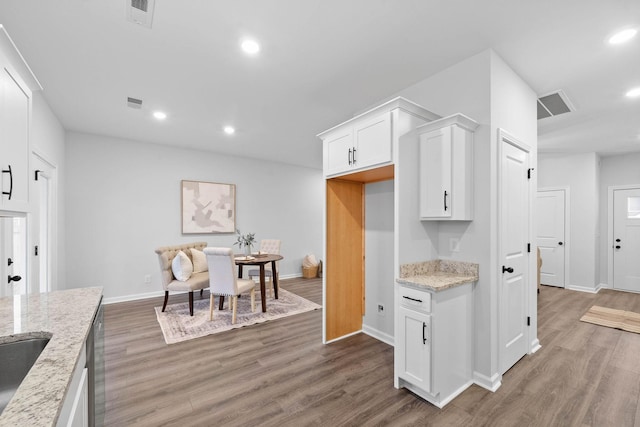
492 384
381 336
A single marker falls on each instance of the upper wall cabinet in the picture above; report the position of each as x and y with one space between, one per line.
446 169
16 85
368 140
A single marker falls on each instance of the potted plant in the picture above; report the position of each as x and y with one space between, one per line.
246 240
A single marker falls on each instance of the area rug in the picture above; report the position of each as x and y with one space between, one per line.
618 319
178 326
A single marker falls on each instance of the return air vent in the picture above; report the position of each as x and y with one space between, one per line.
134 103
554 104
140 11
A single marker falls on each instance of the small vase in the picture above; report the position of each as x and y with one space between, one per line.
247 250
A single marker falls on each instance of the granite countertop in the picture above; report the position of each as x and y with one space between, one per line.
437 275
66 317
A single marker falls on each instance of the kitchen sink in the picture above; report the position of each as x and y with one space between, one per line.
16 358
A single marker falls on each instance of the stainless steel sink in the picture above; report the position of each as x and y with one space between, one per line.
16 358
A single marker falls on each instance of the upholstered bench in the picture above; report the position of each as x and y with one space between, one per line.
197 280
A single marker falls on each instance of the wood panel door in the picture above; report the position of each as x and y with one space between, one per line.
344 267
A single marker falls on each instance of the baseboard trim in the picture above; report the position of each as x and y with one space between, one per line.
535 346
135 297
380 336
154 294
584 289
492 384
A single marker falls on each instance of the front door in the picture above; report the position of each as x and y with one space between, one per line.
550 239
626 235
513 237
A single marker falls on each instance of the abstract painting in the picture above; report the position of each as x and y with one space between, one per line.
208 207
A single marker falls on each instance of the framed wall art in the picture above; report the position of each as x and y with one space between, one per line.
208 207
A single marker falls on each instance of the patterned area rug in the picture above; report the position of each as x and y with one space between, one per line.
618 319
178 326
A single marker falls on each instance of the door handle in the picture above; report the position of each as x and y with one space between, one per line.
618 240
14 279
10 192
507 269
560 243
618 246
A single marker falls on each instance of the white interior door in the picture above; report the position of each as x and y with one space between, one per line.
550 229
626 235
42 193
513 238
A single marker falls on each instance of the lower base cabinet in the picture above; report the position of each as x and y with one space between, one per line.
434 345
75 408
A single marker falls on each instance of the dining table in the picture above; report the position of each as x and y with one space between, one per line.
259 260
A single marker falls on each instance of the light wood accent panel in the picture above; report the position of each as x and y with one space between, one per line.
384 173
344 267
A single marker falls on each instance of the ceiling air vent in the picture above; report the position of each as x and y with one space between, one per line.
134 103
554 104
140 11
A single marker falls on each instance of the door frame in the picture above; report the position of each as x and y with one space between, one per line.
609 243
567 230
530 298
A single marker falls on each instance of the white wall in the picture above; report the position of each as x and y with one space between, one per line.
579 172
484 88
48 142
615 170
379 273
123 201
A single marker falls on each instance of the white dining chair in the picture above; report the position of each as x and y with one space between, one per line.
269 246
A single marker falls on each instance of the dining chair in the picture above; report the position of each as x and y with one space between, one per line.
269 246
224 282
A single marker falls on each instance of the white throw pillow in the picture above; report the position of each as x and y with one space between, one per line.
199 261
181 267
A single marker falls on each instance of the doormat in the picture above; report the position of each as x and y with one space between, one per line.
618 319
177 325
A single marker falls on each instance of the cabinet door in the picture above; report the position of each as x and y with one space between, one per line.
415 339
373 141
338 152
14 142
435 174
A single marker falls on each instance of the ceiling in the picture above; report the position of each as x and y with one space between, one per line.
320 62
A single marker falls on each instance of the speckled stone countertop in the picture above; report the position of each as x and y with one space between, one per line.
66 317
437 275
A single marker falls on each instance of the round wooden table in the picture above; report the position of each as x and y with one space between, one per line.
261 261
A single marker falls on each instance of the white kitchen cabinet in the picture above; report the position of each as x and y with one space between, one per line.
367 140
434 345
446 169
75 407
16 86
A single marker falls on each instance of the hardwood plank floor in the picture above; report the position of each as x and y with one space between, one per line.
280 374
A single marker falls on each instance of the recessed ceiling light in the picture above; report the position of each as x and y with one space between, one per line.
229 130
250 46
622 36
635 92
159 115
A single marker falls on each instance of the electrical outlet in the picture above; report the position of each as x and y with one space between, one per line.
147 278
381 309
454 244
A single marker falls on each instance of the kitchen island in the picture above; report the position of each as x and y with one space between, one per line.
66 318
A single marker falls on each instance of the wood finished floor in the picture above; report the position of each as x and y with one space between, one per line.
279 373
